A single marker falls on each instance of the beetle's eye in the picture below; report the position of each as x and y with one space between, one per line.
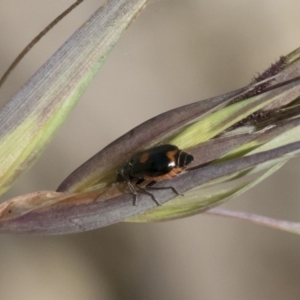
189 159
185 159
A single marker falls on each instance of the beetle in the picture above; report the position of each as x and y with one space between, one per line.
153 165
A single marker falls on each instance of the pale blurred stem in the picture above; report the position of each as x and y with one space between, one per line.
36 40
293 227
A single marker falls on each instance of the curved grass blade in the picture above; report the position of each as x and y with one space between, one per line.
222 119
86 211
30 118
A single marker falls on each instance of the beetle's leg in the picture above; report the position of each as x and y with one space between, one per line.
135 200
133 191
131 187
144 191
150 187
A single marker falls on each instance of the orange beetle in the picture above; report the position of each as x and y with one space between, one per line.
155 164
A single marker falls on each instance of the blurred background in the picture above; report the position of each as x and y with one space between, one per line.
176 52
